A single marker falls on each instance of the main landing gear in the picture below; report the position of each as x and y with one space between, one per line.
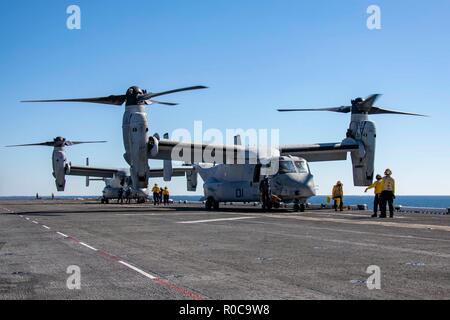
212 204
104 200
299 206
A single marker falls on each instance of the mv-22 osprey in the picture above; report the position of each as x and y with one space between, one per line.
233 173
292 181
137 142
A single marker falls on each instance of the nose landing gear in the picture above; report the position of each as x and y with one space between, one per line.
299 206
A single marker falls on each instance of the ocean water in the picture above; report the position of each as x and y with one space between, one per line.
410 201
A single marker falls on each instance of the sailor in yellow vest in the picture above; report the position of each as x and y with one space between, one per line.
166 195
338 196
377 186
156 190
387 194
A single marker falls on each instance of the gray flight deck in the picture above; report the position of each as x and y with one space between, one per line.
183 252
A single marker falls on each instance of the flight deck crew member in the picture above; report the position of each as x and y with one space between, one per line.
377 186
264 189
387 194
338 196
128 195
120 198
156 191
166 195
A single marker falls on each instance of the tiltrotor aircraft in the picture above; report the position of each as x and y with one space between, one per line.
293 181
137 142
115 179
61 167
232 173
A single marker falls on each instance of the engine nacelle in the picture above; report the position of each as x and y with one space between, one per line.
192 180
364 159
60 167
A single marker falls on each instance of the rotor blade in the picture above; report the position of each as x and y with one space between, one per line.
376 110
342 109
370 100
112 100
148 96
149 102
44 144
72 143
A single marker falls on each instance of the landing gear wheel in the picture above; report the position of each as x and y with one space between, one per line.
209 204
296 207
267 206
216 205
302 207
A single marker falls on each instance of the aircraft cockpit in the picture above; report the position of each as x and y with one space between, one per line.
293 165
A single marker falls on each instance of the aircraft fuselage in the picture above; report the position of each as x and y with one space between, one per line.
240 183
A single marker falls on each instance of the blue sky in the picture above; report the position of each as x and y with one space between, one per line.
254 55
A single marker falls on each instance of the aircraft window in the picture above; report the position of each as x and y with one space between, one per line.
302 167
287 167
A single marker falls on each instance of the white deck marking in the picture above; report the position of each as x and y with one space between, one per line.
369 245
138 270
88 246
140 214
353 231
366 222
62 234
46 227
28 219
216 220
340 214
35 222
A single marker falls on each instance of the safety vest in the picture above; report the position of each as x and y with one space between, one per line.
378 185
166 192
156 190
388 184
338 191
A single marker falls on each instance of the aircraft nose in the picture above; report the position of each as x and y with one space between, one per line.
302 185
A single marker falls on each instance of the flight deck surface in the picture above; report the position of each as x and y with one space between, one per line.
184 252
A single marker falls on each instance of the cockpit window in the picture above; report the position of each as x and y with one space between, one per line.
301 166
287 167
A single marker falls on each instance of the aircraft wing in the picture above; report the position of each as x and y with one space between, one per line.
190 152
93 172
176 172
110 173
321 151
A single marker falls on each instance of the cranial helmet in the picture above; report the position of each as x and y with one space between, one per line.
388 172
